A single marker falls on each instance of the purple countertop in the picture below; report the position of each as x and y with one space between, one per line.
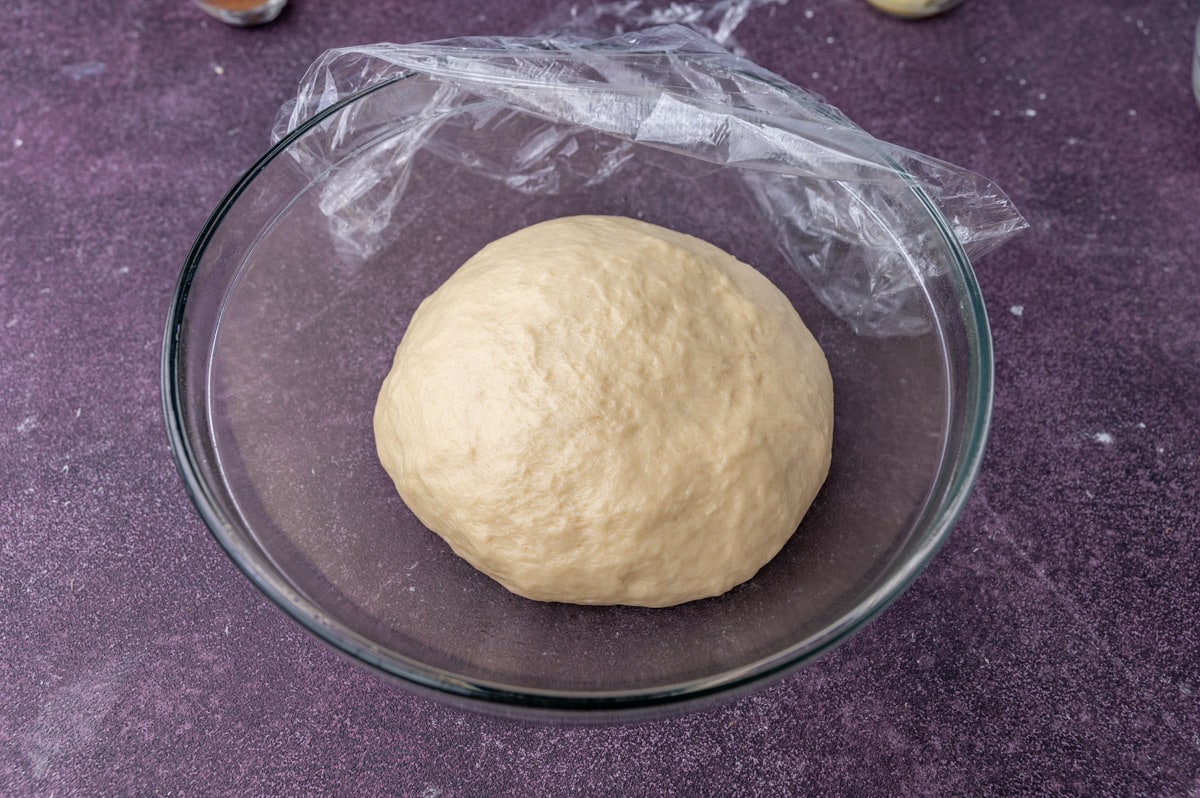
1052 646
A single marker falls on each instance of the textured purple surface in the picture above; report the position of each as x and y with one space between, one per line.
1051 647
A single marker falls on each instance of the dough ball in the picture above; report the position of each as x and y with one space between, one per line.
597 410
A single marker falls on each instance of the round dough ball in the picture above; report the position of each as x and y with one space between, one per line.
597 410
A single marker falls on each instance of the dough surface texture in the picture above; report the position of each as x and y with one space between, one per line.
597 410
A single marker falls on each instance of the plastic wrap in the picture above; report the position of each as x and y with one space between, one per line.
846 208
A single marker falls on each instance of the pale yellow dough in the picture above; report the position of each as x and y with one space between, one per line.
597 410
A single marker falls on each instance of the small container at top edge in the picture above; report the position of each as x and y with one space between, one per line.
243 13
914 9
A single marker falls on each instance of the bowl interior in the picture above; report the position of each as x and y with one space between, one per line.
277 348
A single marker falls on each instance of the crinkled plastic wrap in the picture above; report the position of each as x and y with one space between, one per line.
837 201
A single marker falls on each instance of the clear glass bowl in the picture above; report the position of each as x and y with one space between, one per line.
1196 66
275 349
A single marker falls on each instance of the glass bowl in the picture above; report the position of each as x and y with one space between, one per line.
274 352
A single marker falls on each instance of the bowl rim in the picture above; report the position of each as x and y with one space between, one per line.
946 503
